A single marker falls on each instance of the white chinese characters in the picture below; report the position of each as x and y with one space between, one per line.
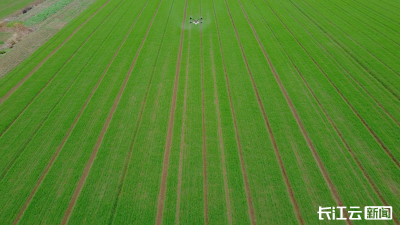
354 213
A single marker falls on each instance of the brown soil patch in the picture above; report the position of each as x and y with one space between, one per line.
29 41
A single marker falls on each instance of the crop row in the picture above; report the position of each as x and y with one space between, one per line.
60 121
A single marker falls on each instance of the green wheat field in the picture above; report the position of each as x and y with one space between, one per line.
260 114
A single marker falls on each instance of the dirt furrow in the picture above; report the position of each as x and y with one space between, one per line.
221 143
267 123
348 36
244 174
332 123
182 145
48 56
129 156
163 186
69 59
53 158
345 99
105 127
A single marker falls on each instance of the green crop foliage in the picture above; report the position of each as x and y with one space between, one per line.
334 91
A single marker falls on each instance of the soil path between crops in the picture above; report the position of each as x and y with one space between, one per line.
163 186
352 77
328 180
376 190
203 128
59 148
143 105
221 141
48 56
377 139
267 123
244 174
69 59
105 127
182 146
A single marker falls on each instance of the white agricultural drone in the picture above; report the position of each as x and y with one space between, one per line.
196 21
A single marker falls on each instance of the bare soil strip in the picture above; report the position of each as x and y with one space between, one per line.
105 127
221 143
129 156
348 103
51 79
49 112
309 142
70 130
179 187
48 56
353 78
331 122
353 40
245 180
276 150
204 129
163 186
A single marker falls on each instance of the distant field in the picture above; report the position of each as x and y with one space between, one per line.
8 7
259 115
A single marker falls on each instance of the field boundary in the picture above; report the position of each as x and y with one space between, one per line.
49 55
54 157
163 186
105 127
51 79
